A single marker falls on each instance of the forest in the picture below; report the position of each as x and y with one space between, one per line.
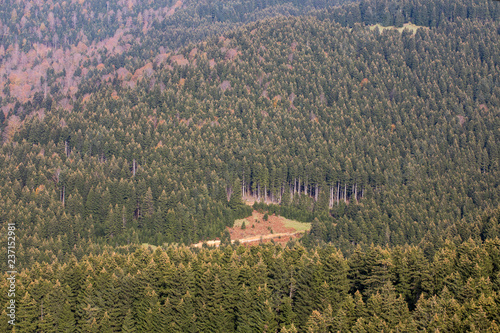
132 130
266 288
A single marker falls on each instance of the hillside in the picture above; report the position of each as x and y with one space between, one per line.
382 137
136 138
53 52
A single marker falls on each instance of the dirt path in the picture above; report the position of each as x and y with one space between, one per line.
258 229
216 243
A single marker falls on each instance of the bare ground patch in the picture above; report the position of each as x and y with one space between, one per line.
254 229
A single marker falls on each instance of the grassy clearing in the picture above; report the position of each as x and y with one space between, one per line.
146 245
238 223
409 26
299 226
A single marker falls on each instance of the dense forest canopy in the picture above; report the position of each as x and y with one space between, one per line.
265 289
125 123
49 48
378 137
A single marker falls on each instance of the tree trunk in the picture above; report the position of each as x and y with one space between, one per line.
338 193
63 195
345 193
330 199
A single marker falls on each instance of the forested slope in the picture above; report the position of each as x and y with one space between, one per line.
383 138
265 289
387 141
48 49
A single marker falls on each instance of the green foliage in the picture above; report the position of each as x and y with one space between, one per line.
240 289
386 142
392 156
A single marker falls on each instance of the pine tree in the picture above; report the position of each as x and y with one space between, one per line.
28 314
320 322
129 323
105 326
66 322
